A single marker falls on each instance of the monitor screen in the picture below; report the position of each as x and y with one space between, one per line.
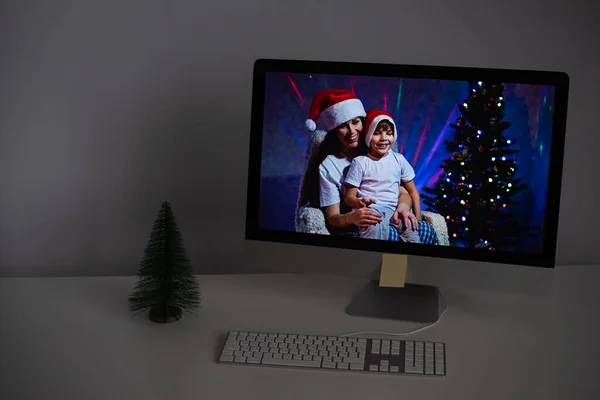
437 161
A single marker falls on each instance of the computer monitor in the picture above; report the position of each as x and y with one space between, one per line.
346 155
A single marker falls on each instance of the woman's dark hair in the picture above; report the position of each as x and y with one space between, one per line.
330 145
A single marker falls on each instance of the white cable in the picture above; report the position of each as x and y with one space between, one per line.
405 333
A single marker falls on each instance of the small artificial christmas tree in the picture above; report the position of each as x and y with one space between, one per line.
166 284
478 189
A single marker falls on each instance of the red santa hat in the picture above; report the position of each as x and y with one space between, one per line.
374 117
332 108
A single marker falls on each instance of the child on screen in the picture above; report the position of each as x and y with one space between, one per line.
373 179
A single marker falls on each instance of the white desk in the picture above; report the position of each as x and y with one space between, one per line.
73 338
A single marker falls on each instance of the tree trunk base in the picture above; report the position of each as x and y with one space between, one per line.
158 315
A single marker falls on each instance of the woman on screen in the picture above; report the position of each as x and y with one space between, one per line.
342 115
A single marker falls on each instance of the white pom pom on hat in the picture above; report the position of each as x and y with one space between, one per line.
333 107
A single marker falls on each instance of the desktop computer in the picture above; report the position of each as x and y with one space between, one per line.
443 162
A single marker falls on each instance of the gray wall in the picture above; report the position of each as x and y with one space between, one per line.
108 108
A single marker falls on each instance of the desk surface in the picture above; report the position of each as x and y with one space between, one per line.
73 338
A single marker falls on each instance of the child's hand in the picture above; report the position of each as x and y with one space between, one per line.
366 202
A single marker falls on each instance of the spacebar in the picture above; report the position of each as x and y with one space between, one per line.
291 363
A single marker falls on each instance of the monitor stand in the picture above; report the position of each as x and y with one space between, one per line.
391 297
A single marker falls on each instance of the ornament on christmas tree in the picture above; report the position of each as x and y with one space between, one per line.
166 284
462 155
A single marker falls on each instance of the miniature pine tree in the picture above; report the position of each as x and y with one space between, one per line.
166 284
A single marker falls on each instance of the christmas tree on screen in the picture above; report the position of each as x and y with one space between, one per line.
478 190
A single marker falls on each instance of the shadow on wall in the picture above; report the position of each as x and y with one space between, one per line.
189 151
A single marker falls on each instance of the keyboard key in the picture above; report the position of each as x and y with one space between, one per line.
343 365
439 368
357 366
353 360
226 358
292 363
394 369
329 364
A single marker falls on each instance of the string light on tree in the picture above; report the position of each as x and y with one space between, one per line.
479 205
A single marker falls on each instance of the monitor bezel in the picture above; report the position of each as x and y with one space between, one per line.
560 80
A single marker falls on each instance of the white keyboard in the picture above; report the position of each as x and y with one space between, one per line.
335 353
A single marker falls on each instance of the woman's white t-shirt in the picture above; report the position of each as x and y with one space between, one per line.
332 174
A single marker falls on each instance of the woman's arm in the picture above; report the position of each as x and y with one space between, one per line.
403 213
404 199
415 196
361 217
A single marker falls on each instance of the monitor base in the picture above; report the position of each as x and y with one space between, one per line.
411 303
